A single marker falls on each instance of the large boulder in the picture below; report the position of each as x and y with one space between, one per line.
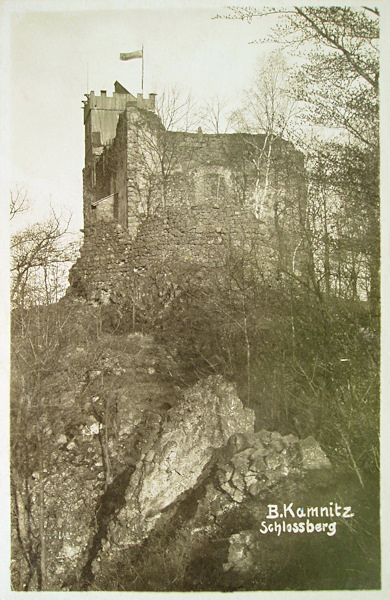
171 462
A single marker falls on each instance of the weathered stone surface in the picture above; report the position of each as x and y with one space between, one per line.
313 457
263 436
240 556
257 461
241 460
209 414
92 441
237 481
62 439
264 464
273 460
255 440
250 480
235 494
225 473
257 488
290 439
277 445
120 460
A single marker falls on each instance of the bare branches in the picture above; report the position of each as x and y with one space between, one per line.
268 107
351 32
19 202
177 111
162 149
39 257
338 84
214 115
375 11
338 42
247 13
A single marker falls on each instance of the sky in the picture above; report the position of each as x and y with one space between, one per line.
57 56
55 52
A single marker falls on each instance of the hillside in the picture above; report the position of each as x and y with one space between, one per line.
129 476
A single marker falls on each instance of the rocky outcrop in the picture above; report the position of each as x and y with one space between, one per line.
127 454
206 461
106 398
313 457
265 459
172 461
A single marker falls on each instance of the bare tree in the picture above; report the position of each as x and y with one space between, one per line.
267 109
161 150
177 110
40 258
349 33
215 117
336 83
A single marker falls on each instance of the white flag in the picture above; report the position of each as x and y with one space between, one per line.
130 55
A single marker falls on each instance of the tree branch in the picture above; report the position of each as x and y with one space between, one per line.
334 42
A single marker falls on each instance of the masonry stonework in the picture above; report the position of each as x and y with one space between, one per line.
151 194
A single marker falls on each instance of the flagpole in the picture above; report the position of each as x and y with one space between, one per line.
142 83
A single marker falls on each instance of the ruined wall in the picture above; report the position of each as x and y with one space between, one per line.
150 168
105 178
104 263
112 264
153 197
169 169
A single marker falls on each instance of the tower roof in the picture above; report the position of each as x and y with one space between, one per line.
119 89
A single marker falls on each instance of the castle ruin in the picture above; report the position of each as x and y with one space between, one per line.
150 192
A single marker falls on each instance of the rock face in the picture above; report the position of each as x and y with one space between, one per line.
205 461
240 557
267 458
171 463
108 399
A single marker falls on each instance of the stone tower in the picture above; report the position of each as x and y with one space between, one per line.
101 117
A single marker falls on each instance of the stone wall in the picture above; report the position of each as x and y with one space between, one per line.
113 267
150 168
104 263
154 196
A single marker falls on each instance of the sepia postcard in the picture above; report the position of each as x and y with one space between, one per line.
194 321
